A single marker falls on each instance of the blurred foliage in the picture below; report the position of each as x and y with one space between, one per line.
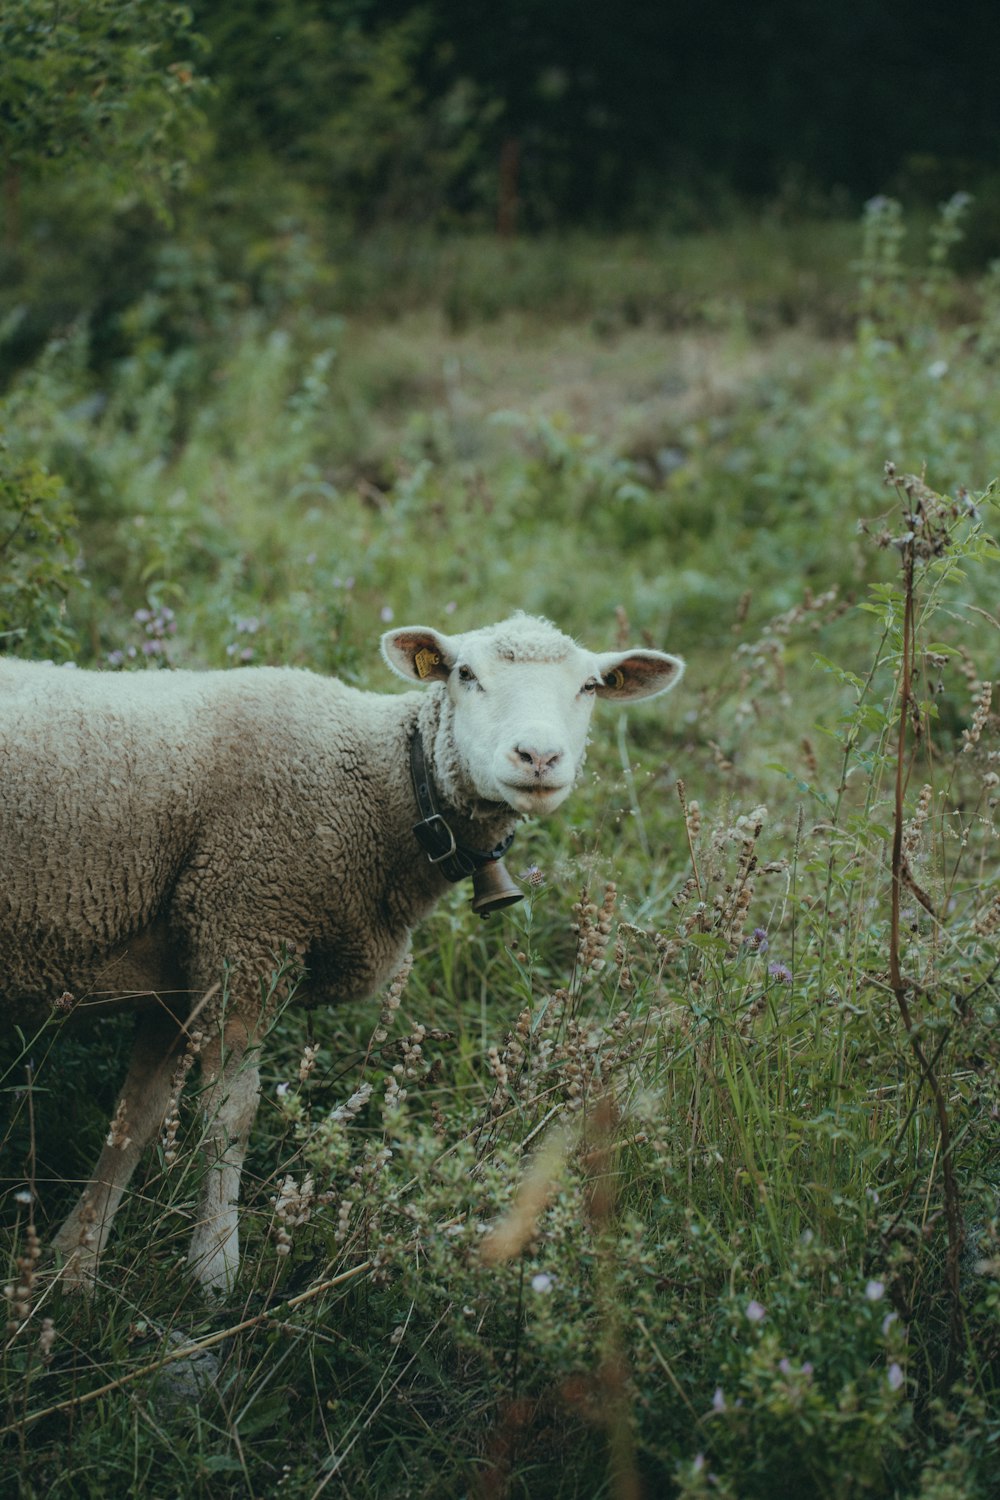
37 559
108 84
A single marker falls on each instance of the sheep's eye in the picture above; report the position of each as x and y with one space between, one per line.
466 674
590 686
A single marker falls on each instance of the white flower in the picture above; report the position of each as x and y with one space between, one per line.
895 1377
541 1283
875 1291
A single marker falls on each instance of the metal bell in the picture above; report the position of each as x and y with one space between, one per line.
493 889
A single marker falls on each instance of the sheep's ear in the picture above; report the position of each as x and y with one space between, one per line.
418 653
637 674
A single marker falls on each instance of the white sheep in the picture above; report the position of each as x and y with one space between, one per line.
167 835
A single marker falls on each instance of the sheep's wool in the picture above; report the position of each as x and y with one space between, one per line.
527 638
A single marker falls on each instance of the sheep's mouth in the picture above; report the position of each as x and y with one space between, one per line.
534 789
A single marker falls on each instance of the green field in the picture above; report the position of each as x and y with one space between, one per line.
694 1186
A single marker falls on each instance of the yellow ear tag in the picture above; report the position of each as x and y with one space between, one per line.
615 678
425 661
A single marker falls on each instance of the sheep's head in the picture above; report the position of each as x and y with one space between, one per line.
521 696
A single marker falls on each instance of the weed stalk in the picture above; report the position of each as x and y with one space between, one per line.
899 985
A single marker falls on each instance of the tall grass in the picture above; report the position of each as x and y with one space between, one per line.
681 1179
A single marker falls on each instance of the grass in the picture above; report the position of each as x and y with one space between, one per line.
682 1177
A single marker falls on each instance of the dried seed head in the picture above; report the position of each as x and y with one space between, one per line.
972 735
118 1135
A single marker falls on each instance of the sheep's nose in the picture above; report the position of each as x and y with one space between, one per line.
538 761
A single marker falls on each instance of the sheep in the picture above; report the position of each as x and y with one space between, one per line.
167 836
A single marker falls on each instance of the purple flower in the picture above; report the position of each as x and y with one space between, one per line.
895 1377
875 1291
759 939
718 1399
780 972
755 1312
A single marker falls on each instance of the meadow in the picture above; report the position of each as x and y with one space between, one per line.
680 1178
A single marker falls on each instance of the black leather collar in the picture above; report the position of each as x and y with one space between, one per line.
455 861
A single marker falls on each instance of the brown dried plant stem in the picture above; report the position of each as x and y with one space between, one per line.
273 1315
901 988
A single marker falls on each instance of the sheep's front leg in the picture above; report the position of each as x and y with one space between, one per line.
141 1107
232 1090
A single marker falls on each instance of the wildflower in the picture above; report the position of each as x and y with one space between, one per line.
938 369
888 1321
24 1196
895 1377
755 1313
386 614
758 939
541 1283
781 972
875 1291
282 1090
718 1399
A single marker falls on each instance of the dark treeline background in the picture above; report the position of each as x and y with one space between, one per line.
589 113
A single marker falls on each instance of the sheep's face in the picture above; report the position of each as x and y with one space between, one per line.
522 694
